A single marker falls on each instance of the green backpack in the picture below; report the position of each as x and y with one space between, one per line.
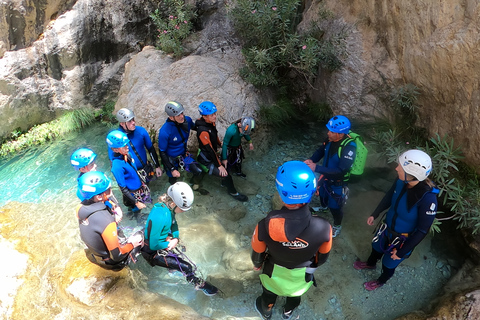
361 154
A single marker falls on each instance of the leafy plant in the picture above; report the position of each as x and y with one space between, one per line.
42 133
105 114
281 114
273 48
173 21
457 182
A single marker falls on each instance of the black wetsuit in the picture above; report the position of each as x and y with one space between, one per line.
98 231
208 142
293 239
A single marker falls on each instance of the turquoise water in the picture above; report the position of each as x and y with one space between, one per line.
44 173
217 235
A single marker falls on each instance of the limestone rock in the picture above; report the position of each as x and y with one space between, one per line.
238 260
88 283
426 44
460 301
78 61
152 79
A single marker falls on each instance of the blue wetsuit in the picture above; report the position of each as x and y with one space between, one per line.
172 144
335 171
140 139
127 178
411 212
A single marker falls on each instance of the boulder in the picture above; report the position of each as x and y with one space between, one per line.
152 79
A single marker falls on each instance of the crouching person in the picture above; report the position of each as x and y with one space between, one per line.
98 228
161 236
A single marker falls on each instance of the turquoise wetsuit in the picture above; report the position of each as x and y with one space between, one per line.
161 224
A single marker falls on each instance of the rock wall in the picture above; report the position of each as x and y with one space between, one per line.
76 60
431 44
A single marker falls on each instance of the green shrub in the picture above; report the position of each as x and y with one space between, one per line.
173 21
457 182
39 134
105 114
273 48
279 115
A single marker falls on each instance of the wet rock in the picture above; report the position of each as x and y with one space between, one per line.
236 213
238 260
86 282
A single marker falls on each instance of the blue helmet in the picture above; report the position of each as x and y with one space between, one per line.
117 139
92 183
206 107
295 182
82 157
339 124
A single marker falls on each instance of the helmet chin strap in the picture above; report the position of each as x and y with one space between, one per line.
125 127
406 181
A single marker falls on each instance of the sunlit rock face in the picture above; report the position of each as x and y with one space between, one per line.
426 43
76 60
152 79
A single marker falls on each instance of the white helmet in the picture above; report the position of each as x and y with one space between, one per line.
416 163
181 194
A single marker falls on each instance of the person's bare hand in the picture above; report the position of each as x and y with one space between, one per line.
370 220
175 174
223 171
140 205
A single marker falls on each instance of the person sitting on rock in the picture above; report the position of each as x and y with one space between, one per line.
162 236
209 142
98 228
232 151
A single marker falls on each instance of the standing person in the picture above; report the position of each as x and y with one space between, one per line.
139 141
290 243
232 151
134 190
172 142
412 206
209 142
335 169
162 236
98 228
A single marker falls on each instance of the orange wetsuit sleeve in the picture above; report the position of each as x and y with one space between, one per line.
258 245
326 246
204 138
110 238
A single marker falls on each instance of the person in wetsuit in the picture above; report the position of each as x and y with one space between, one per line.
134 190
209 143
172 142
98 228
335 170
232 150
412 206
139 140
162 236
290 243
